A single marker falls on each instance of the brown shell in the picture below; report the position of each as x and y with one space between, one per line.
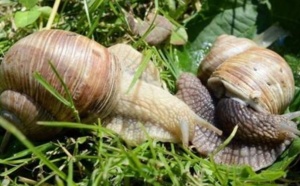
87 68
260 77
224 47
26 113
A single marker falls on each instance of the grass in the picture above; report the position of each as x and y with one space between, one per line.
93 155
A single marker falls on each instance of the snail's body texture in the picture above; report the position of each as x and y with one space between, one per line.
254 126
100 84
141 103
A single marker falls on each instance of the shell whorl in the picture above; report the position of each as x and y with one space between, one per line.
25 115
224 47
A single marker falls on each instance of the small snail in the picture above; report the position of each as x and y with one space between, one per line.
99 84
250 86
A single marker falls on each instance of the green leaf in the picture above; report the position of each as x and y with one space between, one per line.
240 22
179 36
28 3
266 175
22 19
45 10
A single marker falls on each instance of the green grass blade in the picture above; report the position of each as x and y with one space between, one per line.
69 101
15 168
70 172
86 9
24 154
51 89
13 130
227 141
69 95
70 125
140 69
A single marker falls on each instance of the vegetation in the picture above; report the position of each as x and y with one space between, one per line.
92 155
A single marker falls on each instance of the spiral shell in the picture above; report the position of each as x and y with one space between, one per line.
90 72
258 76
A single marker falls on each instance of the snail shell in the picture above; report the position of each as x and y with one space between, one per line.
259 77
56 47
33 54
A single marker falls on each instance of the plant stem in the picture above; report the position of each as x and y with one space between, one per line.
52 15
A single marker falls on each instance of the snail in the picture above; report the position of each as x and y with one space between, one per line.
99 81
240 83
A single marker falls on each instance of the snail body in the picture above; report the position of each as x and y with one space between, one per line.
98 82
251 86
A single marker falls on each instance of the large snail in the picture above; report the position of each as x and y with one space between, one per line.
99 83
250 87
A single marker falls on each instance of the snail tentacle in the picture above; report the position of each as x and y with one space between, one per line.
292 115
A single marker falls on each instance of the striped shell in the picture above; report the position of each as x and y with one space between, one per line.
225 46
90 72
258 76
